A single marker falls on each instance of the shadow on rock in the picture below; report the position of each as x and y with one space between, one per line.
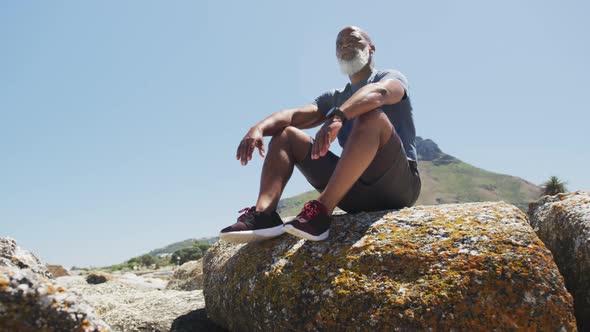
196 320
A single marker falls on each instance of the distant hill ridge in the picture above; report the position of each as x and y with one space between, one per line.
171 248
446 179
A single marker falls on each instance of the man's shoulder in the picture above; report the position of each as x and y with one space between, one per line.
390 73
335 92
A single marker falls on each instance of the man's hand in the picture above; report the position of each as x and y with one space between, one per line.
325 136
253 139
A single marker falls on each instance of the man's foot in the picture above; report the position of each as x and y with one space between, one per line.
253 226
313 223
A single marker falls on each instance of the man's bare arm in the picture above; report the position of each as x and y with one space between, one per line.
304 117
308 116
367 98
372 96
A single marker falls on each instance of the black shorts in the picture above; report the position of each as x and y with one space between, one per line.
391 181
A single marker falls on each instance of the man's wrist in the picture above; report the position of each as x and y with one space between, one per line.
336 112
336 118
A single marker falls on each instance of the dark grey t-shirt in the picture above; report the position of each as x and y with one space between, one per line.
400 114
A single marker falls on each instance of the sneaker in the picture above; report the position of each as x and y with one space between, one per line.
313 223
253 226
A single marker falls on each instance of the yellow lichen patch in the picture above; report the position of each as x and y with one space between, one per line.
85 325
4 284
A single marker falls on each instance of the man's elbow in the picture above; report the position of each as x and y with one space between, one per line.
390 94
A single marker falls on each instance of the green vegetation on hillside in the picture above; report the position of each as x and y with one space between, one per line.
292 206
175 253
182 245
459 182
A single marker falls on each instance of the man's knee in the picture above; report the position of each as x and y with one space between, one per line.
295 139
371 120
286 135
375 121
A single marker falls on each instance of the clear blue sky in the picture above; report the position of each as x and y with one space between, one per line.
119 120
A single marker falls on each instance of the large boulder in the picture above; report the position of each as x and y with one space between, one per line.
563 224
30 301
134 303
476 266
189 276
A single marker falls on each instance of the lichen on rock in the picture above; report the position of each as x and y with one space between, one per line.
188 277
30 301
458 266
563 224
11 255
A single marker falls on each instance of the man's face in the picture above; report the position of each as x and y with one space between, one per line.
353 50
348 43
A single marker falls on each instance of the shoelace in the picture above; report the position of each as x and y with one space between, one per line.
245 212
311 209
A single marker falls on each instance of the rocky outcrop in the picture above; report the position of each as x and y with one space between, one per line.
14 256
30 301
429 151
57 270
476 266
563 224
189 276
132 303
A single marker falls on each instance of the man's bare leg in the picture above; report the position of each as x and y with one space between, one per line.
371 131
286 149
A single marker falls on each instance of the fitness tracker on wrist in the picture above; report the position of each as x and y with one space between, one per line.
337 111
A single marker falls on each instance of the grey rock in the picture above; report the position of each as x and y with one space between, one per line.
427 149
31 301
11 255
563 224
189 276
132 304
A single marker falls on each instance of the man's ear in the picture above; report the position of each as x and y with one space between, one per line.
372 48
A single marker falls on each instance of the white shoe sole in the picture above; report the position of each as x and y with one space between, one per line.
252 236
294 231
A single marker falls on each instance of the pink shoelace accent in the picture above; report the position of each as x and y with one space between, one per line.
246 212
312 208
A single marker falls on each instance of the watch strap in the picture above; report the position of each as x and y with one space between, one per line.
337 111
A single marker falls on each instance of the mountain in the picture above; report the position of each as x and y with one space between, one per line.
446 179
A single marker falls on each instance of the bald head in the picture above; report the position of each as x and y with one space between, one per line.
352 38
351 29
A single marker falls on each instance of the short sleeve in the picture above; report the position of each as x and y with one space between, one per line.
396 75
325 101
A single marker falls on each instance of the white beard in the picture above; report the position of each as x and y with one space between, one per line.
357 63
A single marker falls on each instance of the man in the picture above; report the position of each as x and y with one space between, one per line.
377 170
